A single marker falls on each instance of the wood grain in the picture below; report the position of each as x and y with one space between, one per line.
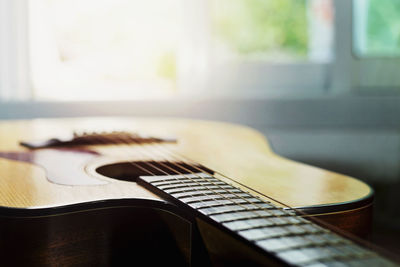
236 151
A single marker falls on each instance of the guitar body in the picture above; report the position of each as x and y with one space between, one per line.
81 205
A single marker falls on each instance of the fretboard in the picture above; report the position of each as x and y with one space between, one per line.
277 231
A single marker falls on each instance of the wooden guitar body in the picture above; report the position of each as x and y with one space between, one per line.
81 205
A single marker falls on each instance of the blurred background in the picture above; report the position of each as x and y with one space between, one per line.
320 78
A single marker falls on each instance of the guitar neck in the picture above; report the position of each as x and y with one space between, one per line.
278 232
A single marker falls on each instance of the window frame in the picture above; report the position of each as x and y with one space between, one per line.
250 79
345 75
14 58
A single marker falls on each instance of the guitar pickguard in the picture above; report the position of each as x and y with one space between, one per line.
62 166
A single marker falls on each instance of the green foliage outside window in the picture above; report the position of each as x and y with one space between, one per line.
262 26
383 27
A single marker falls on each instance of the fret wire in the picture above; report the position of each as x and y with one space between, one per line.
194 188
159 169
176 179
167 174
141 147
202 171
188 177
180 187
194 166
174 170
212 189
291 233
212 182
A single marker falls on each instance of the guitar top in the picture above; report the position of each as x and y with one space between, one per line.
177 166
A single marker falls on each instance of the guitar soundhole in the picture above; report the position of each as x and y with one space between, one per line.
130 171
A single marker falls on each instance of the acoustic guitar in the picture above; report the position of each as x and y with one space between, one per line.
130 191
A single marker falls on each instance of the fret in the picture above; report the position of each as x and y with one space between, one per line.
294 220
186 181
260 222
248 224
278 212
184 185
284 220
252 200
302 241
263 233
189 199
230 200
312 228
221 209
209 197
197 193
200 187
352 250
304 229
296 240
232 208
162 178
233 216
281 243
212 203
259 205
297 230
326 254
178 181
290 242
333 238
301 256
200 198
320 239
221 202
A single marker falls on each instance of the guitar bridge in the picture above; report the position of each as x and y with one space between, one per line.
96 138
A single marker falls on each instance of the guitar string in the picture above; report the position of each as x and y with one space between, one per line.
195 165
260 208
306 231
167 174
179 165
182 157
198 166
252 203
202 168
317 221
127 146
210 189
330 257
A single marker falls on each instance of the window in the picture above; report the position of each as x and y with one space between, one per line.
96 50
376 46
256 45
377 28
272 31
129 49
